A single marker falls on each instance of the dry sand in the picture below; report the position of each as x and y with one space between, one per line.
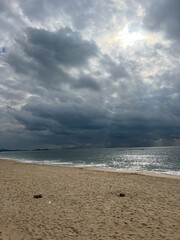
84 204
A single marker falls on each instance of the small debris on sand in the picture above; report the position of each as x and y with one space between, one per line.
38 196
121 194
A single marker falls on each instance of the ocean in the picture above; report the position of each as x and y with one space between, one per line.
152 159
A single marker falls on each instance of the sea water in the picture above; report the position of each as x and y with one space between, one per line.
151 159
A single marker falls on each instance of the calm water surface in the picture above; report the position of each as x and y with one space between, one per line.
165 160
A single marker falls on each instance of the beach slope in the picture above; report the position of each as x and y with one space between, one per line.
85 204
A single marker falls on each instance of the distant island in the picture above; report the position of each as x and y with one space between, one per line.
22 150
10 150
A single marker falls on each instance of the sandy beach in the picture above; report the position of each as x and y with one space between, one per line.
85 204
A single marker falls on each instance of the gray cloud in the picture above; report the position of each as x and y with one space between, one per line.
140 126
117 70
64 46
48 56
82 13
69 80
164 16
87 82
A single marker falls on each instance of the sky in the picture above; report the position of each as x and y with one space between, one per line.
89 73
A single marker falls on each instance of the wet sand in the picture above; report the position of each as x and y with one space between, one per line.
85 204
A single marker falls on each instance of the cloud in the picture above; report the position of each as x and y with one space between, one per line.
81 14
164 16
81 122
49 56
64 46
70 76
117 70
87 82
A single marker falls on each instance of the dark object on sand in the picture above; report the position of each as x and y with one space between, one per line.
121 194
38 196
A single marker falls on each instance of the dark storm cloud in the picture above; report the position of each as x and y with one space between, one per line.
85 123
138 117
68 115
87 82
64 46
59 87
48 56
61 121
163 15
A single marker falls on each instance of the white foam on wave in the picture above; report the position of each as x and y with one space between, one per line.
168 172
41 162
101 166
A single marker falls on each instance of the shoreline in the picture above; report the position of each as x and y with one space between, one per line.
99 169
82 203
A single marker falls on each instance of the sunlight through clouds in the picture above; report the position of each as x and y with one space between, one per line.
89 66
